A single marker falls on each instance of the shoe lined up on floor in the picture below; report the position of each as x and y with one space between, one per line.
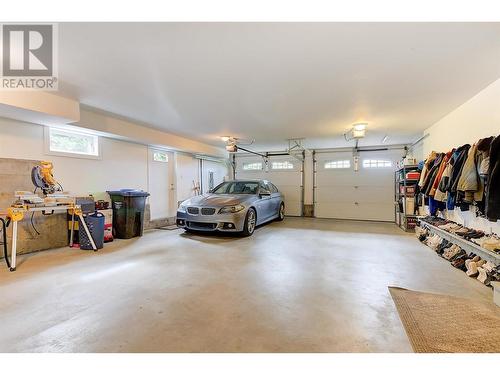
472 264
488 242
491 243
451 252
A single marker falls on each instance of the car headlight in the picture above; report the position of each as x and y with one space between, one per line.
182 207
231 209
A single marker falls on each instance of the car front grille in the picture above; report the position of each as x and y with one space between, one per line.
193 210
207 211
198 225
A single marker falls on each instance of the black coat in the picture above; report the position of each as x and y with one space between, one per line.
493 189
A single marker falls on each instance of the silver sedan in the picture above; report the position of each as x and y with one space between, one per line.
233 206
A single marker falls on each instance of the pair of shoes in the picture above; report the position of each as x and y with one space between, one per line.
421 233
461 254
486 273
433 241
495 273
443 247
491 244
474 234
459 261
450 227
473 268
436 221
451 252
463 231
456 228
483 276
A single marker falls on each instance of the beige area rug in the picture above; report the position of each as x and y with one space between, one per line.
437 323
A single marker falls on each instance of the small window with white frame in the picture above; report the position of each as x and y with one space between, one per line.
374 163
253 166
71 143
337 164
282 165
160 156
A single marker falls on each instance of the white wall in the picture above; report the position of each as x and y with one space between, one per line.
477 118
122 165
220 173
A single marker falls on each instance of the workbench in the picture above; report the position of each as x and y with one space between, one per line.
17 214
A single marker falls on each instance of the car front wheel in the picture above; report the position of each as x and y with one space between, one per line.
281 214
250 221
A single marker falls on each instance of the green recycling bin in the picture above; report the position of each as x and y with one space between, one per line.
128 212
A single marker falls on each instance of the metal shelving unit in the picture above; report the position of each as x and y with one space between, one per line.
400 199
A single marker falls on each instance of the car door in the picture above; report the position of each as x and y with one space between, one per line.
276 197
264 204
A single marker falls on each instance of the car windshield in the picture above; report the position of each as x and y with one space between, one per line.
237 187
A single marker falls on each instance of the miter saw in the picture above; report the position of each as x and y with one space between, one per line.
43 178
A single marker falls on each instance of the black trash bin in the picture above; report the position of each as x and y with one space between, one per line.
128 212
95 224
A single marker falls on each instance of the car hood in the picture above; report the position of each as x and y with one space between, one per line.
218 200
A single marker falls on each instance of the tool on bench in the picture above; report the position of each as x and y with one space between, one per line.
43 178
55 200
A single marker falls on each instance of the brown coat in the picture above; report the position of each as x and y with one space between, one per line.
469 182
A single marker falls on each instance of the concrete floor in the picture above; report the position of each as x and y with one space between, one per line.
303 285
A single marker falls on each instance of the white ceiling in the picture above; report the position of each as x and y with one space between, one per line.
271 81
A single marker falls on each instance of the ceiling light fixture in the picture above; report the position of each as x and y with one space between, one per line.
358 131
231 148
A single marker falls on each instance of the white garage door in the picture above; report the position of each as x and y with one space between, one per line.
367 194
283 171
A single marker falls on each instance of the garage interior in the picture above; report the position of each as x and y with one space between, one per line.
360 126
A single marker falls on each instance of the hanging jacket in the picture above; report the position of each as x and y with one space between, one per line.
493 190
441 194
457 168
439 174
468 183
431 176
426 168
459 159
482 165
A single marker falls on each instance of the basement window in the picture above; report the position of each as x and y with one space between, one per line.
281 165
252 166
160 156
337 164
371 163
71 143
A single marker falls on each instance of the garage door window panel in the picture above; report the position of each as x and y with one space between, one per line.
337 164
376 163
282 165
252 166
